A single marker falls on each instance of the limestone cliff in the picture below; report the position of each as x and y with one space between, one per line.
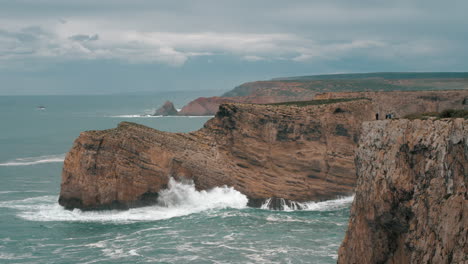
411 195
295 153
401 103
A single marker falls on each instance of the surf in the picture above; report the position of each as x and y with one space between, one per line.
328 205
180 199
35 160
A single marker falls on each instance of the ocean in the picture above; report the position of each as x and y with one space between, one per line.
187 226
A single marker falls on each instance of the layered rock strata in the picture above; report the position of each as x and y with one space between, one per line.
411 196
205 106
401 103
263 151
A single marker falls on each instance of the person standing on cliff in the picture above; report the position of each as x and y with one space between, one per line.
377 116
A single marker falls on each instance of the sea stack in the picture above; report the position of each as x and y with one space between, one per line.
167 109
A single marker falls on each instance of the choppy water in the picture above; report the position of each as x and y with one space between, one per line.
186 226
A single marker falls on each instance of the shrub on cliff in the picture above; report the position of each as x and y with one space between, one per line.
448 113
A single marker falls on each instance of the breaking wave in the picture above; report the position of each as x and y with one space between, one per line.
180 199
156 116
35 160
329 205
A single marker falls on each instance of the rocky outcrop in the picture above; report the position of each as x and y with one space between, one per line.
205 106
167 109
401 103
411 195
303 88
263 151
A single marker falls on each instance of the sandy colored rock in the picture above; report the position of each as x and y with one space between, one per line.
263 151
411 196
401 103
209 105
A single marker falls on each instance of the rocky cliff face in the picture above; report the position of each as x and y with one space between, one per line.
209 105
402 103
295 153
411 196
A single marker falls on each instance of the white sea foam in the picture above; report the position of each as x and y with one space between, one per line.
179 199
35 160
329 205
158 116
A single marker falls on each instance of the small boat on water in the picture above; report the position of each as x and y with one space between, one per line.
41 107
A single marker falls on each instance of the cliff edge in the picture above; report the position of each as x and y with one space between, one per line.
411 195
264 151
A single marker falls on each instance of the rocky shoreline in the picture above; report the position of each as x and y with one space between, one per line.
263 151
410 176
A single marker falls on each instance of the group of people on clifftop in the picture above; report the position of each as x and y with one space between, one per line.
387 116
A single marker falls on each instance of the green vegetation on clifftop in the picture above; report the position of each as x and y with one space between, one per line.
449 113
320 102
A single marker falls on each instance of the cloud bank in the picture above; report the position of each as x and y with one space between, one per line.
168 33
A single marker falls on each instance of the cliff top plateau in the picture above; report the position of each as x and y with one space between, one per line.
308 87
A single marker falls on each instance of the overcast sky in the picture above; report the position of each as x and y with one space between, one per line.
103 46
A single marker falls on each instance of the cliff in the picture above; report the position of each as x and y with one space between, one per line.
210 105
398 101
411 195
263 151
402 103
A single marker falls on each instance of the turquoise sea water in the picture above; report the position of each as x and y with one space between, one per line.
186 227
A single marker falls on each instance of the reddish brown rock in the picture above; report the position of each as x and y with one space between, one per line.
263 151
411 196
401 103
204 106
209 105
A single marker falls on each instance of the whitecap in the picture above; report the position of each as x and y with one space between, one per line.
328 205
158 116
180 199
35 160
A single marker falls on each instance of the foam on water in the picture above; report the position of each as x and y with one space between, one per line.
329 205
156 116
179 199
35 160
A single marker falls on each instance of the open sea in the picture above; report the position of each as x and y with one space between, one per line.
186 227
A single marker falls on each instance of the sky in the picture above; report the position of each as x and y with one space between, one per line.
108 47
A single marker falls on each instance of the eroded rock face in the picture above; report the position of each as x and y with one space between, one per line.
401 103
398 103
167 109
205 106
263 151
411 195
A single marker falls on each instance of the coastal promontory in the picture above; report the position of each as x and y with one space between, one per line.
289 152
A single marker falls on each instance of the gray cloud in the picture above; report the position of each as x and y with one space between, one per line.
82 37
289 37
